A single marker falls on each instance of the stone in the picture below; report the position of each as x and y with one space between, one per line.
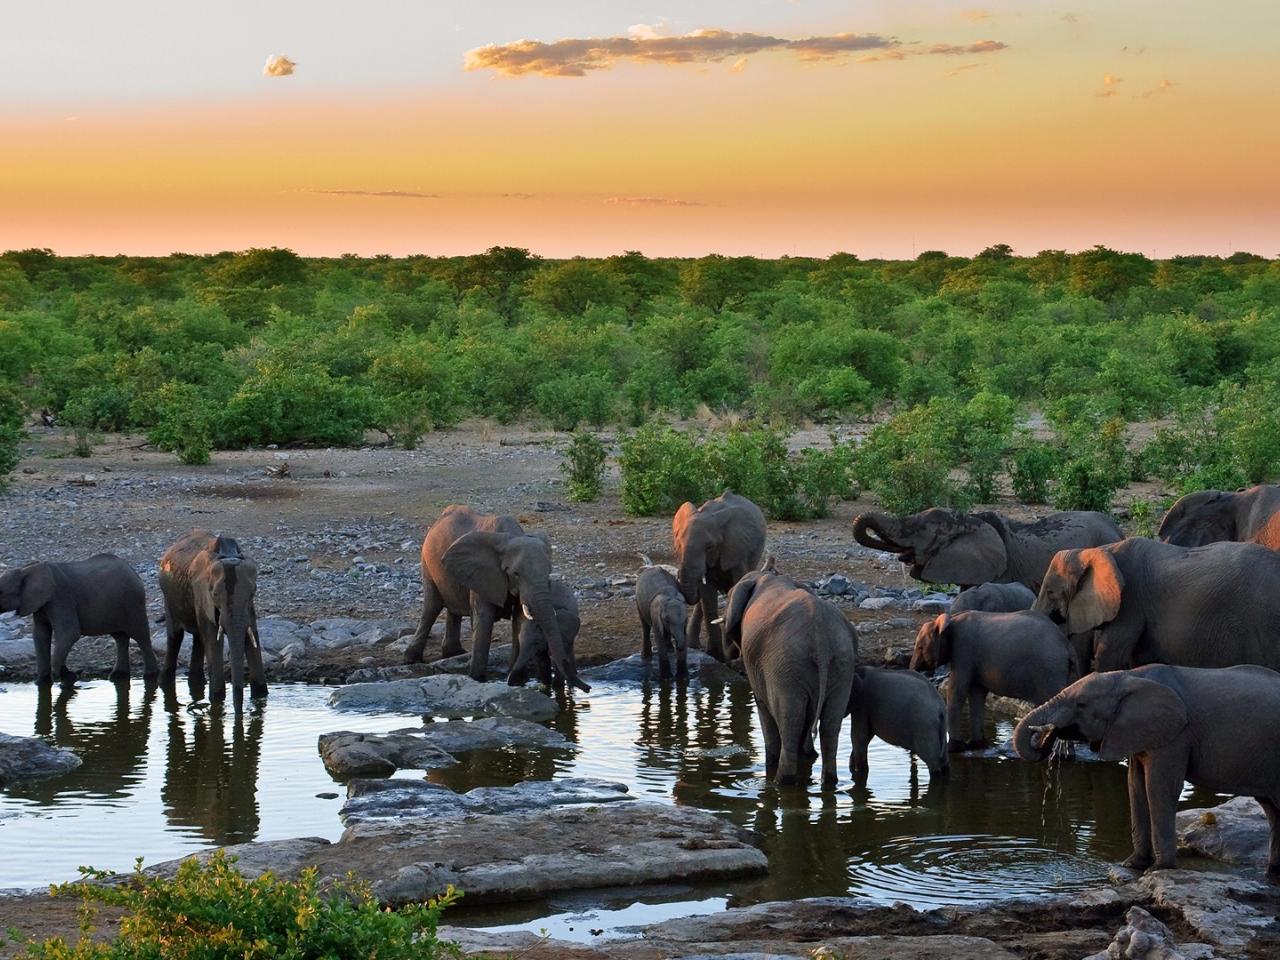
397 799
931 606
347 754
284 858
277 634
878 603
339 633
1143 937
1223 910
445 696
498 667
30 758
636 669
1233 832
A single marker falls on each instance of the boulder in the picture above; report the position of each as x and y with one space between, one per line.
498 668
1233 832
277 634
338 633
347 754
878 603
284 858
397 799
30 758
445 696
1143 937
636 669
1220 909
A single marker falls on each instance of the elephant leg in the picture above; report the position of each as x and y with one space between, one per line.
42 635
1272 811
253 656
121 669
977 717
141 636
1139 818
955 710
452 635
793 730
432 604
63 641
482 619
860 739
693 627
682 660
646 646
710 612
1165 776
173 643
772 742
829 741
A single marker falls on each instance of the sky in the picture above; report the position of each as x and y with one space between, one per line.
760 127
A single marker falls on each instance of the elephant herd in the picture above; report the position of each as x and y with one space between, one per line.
1161 652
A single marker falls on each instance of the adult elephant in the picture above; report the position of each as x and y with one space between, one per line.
968 549
1251 515
209 588
93 597
1143 601
800 654
1219 729
486 567
716 545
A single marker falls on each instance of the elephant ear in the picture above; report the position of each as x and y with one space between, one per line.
1098 592
680 522
37 589
475 561
1148 716
972 554
739 598
1199 518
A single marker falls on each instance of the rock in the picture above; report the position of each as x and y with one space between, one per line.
1143 937
1223 910
284 858
498 668
347 754
446 696
397 799
339 633
931 605
838 585
878 603
636 669
30 758
398 671
277 634
1233 832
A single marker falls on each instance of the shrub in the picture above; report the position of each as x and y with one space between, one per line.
1033 465
184 422
1095 465
213 912
569 400
661 469
583 466
280 403
11 434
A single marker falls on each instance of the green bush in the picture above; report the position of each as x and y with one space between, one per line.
213 912
572 399
281 403
583 467
1032 467
183 422
1095 465
661 469
11 434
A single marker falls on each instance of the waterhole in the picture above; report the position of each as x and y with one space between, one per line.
163 777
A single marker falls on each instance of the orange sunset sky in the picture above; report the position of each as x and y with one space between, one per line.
760 127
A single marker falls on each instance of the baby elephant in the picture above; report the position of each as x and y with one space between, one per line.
1022 655
662 612
902 708
994 598
1217 728
66 601
532 655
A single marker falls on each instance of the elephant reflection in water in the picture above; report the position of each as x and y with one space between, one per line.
504 767
114 750
809 848
211 777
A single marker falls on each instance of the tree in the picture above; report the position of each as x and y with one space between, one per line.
570 287
997 251
1106 274
11 434
261 267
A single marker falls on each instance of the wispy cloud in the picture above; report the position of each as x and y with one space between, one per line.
576 57
738 65
975 16
653 202
1160 87
962 69
1110 85
278 66
390 194
1070 17
517 196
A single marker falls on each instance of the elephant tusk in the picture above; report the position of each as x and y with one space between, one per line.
718 621
524 608
253 638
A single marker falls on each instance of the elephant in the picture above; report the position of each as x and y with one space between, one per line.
995 598
799 653
486 567
1022 655
1217 728
1142 601
1251 515
94 597
903 709
534 657
663 611
209 587
968 549
715 545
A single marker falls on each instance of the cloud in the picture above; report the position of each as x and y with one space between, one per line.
1070 17
976 16
1135 51
576 57
653 202
278 66
738 65
392 194
1110 85
962 68
517 196
1160 87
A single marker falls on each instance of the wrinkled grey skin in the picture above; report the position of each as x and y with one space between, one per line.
1219 729
66 601
902 708
534 659
209 587
663 611
1022 655
1142 601
995 598
799 653
486 567
1249 516
967 549
715 545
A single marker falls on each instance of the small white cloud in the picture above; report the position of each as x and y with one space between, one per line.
278 66
738 65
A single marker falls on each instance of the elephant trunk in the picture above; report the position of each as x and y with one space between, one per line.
236 631
1035 734
531 645
544 616
692 574
873 529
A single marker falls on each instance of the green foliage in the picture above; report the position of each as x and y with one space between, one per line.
1145 516
11 434
213 912
280 403
906 463
662 468
1031 468
583 467
183 422
1095 464
574 398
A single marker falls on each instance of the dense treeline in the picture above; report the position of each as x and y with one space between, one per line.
264 346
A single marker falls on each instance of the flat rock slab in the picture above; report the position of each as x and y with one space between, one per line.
451 697
636 669
396 799
30 758
529 854
347 754
284 858
1233 832
498 667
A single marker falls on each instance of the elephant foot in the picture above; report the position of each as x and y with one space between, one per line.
829 781
258 691
44 680
117 675
412 656
939 772
68 678
1136 861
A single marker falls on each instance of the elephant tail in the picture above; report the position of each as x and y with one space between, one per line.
824 671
